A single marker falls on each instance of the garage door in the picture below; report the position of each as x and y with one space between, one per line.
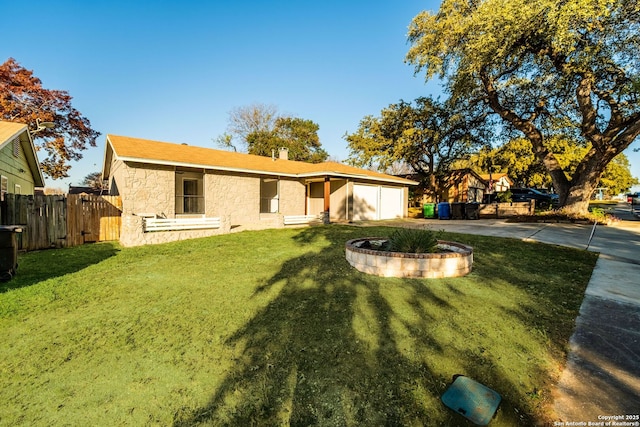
372 202
365 202
391 202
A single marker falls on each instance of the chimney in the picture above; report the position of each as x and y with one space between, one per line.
283 153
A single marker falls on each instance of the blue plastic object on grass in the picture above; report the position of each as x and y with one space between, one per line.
474 401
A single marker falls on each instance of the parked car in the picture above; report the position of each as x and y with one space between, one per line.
543 200
635 204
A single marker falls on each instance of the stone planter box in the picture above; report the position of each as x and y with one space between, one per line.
457 261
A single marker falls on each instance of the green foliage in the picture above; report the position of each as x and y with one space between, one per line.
517 160
617 176
299 136
412 240
259 129
504 196
427 135
548 69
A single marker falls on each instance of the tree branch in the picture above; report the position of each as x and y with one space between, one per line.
528 129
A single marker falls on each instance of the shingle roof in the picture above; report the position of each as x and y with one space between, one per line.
9 130
155 152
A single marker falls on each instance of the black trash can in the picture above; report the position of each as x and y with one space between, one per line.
8 251
457 210
472 210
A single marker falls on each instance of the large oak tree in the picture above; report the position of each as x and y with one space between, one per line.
24 100
548 69
427 135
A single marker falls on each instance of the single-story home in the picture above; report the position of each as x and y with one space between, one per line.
462 185
175 191
20 171
497 182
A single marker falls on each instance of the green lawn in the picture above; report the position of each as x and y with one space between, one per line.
275 328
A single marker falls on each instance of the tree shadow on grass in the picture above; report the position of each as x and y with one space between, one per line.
337 347
36 266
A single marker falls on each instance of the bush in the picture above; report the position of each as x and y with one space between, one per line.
413 241
504 196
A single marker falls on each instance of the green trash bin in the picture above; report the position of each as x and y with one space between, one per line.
429 210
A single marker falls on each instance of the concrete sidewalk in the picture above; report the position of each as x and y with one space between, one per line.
602 375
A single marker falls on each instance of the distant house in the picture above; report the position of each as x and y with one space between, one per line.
462 185
20 171
86 190
178 186
497 182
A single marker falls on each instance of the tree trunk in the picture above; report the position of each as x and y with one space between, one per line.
575 194
574 198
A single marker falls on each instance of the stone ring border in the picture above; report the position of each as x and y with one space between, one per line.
455 263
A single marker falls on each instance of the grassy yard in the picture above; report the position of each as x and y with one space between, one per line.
275 328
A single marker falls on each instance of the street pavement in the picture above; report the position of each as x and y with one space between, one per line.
602 374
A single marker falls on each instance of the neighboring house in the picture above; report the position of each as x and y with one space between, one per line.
86 190
20 171
182 183
497 182
462 185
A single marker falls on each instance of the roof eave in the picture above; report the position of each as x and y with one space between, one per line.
358 176
260 171
204 166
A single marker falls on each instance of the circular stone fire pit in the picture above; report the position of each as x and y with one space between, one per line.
455 260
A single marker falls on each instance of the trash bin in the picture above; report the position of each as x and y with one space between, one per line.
444 210
472 210
429 210
8 251
457 210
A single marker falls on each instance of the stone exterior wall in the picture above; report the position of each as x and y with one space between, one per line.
238 196
292 197
145 189
136 236
234 198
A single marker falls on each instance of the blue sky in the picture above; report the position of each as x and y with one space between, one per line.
172 71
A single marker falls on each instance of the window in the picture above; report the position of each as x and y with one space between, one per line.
4 184
18 189
269 195
189 193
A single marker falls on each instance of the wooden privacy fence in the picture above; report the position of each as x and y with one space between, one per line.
62 220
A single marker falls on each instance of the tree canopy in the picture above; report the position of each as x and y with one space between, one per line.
517 160
94 180
259 129
427 135
548 69
298 135
24 100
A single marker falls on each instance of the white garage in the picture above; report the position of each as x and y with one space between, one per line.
372 202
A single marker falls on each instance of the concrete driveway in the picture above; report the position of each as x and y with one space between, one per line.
602 375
